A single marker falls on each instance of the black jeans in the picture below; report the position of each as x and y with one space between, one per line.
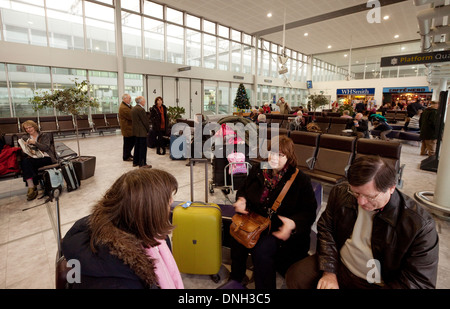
263 258
160 141
30 167
128 145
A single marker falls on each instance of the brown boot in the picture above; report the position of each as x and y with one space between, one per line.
32 193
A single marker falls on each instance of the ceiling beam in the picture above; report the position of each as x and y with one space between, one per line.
327 16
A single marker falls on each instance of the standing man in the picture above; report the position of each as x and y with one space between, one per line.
370 236
141 126
284 106
429 129
126 127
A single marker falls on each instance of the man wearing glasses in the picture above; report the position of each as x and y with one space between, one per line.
370 236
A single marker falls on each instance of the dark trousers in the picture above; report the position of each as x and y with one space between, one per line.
305 274
128 145
159 141
30 167
263 258
140 151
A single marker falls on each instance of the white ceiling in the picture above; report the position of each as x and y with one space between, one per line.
327 22
341 33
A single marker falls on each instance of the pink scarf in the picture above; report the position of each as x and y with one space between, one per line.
165 267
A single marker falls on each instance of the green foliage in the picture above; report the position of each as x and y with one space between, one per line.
174 113
344 107
317 100
242 101
74 100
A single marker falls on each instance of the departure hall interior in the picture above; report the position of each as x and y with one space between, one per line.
196 55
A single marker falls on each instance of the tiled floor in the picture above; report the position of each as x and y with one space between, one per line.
27 241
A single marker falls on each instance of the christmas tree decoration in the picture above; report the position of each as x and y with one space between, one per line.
242 101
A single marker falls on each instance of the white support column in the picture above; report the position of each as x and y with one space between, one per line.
442 192
119 50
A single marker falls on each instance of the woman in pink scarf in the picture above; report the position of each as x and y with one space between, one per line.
124 242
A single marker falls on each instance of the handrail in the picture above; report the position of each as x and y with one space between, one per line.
422 197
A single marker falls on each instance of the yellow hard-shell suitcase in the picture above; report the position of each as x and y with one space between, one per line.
197 238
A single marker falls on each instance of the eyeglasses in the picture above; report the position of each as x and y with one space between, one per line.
357 195
277 154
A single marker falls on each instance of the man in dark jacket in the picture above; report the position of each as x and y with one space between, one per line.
361 126
141 126
370 236
429 129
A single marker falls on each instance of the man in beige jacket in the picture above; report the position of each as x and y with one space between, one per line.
126 127
284 106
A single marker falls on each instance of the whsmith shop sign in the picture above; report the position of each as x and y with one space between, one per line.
356 91
422 58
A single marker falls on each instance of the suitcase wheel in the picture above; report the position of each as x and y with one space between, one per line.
215 278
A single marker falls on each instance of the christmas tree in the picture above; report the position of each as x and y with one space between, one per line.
241 101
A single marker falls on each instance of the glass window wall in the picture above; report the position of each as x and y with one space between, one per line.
131 35
175 44
104 88
100 28
65 24
153 39
25 81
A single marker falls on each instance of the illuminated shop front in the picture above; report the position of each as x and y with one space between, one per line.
406 95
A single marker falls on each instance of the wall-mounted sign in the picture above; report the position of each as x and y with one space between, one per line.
238 77
184 69
356 91
406 89
268 81
309 84
441 56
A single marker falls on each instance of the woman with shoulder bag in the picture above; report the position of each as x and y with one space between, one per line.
287 239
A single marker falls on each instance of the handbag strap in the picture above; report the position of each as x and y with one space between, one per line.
282 194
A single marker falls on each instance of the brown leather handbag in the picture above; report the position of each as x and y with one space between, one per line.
247 228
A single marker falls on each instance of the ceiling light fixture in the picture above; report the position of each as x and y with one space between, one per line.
329 46
269 15
396 36
386 17
306 34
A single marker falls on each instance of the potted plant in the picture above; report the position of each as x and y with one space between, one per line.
76 101
317 100
174 113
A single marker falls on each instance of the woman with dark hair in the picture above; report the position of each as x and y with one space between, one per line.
37 141
288 238
123 243
160 122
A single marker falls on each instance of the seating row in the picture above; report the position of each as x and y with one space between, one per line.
398 134
63 125
394 116
326 157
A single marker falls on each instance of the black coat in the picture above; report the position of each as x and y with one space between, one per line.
404 238
155 118
103 269
299 204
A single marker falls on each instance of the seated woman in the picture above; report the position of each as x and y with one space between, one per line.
38 141
122 244
288 237
413 124
383 127
298 123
